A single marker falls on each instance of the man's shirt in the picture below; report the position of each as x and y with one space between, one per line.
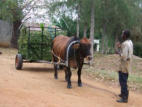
126 50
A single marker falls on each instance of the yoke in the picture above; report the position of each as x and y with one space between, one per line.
67 51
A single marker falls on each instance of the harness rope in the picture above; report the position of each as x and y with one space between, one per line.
59 59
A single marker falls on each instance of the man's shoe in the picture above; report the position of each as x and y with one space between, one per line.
122 100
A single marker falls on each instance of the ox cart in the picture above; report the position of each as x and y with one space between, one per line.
34 45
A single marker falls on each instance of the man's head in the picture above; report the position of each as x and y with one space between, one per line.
126 35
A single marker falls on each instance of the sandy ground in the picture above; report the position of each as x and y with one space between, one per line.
34 86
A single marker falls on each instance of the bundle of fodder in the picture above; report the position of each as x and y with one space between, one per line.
37 46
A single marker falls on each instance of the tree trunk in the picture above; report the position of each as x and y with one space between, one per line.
103 39
77 28
92 29
85 31
15 34
78 19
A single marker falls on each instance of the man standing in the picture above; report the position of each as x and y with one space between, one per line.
126 52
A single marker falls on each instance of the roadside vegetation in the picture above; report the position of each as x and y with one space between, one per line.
105 69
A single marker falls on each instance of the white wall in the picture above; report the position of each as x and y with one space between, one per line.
5 33
97 42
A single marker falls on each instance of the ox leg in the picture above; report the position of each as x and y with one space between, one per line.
55 68
79 76
55 73
66 76
69 78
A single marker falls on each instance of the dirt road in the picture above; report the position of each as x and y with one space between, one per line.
34 86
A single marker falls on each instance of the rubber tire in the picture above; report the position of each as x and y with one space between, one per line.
18 62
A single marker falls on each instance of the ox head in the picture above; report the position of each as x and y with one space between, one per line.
85 46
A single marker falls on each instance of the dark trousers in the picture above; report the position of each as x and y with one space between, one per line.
123 77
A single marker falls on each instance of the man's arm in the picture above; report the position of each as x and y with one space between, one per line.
118 48
124 53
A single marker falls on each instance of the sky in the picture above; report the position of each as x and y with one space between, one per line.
40 15
36 15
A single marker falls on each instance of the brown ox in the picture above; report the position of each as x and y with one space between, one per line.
77 53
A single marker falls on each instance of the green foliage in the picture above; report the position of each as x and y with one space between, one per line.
111 17
10 10
66 23
138 49
42 26
37 46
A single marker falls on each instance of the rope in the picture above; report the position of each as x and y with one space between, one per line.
59 59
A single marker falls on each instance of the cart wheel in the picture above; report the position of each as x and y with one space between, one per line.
18 62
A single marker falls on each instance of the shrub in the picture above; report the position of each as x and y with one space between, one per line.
138 49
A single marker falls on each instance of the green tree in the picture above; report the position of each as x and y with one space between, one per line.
111 17
15 11
70 9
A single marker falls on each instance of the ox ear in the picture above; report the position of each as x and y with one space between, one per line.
76 46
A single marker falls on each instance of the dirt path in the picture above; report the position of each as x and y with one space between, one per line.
35 86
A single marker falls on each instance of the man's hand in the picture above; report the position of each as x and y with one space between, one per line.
117 48
128 59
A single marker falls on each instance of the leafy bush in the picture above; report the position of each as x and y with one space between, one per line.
138 49
38 46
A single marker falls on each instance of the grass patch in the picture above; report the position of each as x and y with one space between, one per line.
107 75
134 79
111 75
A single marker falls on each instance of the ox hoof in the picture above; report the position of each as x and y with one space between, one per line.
56 77
69 86
80 84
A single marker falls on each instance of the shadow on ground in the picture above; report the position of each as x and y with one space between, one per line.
37 69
